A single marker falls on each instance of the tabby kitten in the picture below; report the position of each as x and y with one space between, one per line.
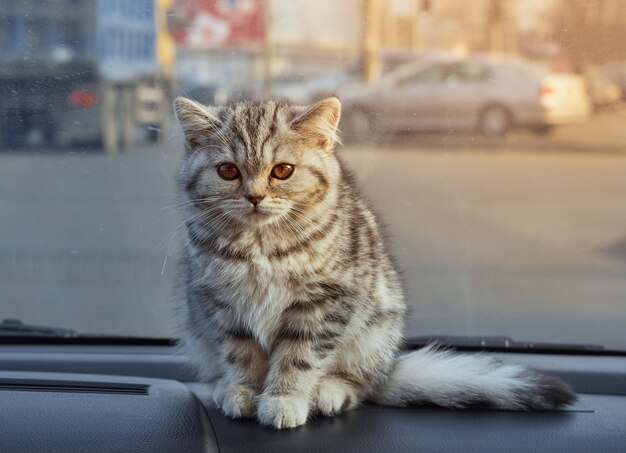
292 305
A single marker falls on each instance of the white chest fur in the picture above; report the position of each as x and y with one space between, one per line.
256 290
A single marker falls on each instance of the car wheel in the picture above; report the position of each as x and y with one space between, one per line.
358 127
495 121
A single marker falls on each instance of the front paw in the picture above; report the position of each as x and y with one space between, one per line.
282 411
335 396
237 401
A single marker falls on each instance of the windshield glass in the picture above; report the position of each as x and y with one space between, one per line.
489 136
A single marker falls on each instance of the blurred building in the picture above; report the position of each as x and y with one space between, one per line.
257 44
253 41
81 71
322 24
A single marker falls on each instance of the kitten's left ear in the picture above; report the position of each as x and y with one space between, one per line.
199 122
319 122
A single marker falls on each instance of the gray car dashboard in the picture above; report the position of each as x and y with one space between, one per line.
143 399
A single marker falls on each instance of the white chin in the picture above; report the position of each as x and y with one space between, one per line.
257 216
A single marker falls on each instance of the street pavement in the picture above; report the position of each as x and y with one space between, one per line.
524 237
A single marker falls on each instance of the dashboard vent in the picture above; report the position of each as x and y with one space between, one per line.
25 385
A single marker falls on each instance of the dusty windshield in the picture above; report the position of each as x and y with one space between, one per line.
489 135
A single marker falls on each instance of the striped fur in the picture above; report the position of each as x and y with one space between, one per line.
293 306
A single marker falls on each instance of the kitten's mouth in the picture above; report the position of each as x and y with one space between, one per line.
258 212
257 215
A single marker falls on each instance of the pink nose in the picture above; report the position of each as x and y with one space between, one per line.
255 199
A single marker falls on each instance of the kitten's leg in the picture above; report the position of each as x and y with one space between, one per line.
288 393
245 368
302 353
225 353
362 361
336 394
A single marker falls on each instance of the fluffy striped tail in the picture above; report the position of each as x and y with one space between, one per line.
435 376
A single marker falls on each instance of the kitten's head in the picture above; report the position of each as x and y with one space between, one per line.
258 163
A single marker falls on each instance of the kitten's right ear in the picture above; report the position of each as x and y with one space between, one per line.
199 122
319 122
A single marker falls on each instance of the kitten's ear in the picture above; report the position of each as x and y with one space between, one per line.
319 122
199 122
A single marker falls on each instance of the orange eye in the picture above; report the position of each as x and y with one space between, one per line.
228 171
282 171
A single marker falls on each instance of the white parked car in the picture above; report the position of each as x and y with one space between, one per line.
449 93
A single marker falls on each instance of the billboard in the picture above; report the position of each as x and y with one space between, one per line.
218 23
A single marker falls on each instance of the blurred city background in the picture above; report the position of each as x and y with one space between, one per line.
490 135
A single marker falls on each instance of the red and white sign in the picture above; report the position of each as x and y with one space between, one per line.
218 23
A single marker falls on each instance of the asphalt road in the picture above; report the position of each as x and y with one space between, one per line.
524 237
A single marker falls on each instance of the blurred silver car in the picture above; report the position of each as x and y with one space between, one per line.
479 92
300 89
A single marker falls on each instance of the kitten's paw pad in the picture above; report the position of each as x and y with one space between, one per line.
282 412
334 396
239 401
